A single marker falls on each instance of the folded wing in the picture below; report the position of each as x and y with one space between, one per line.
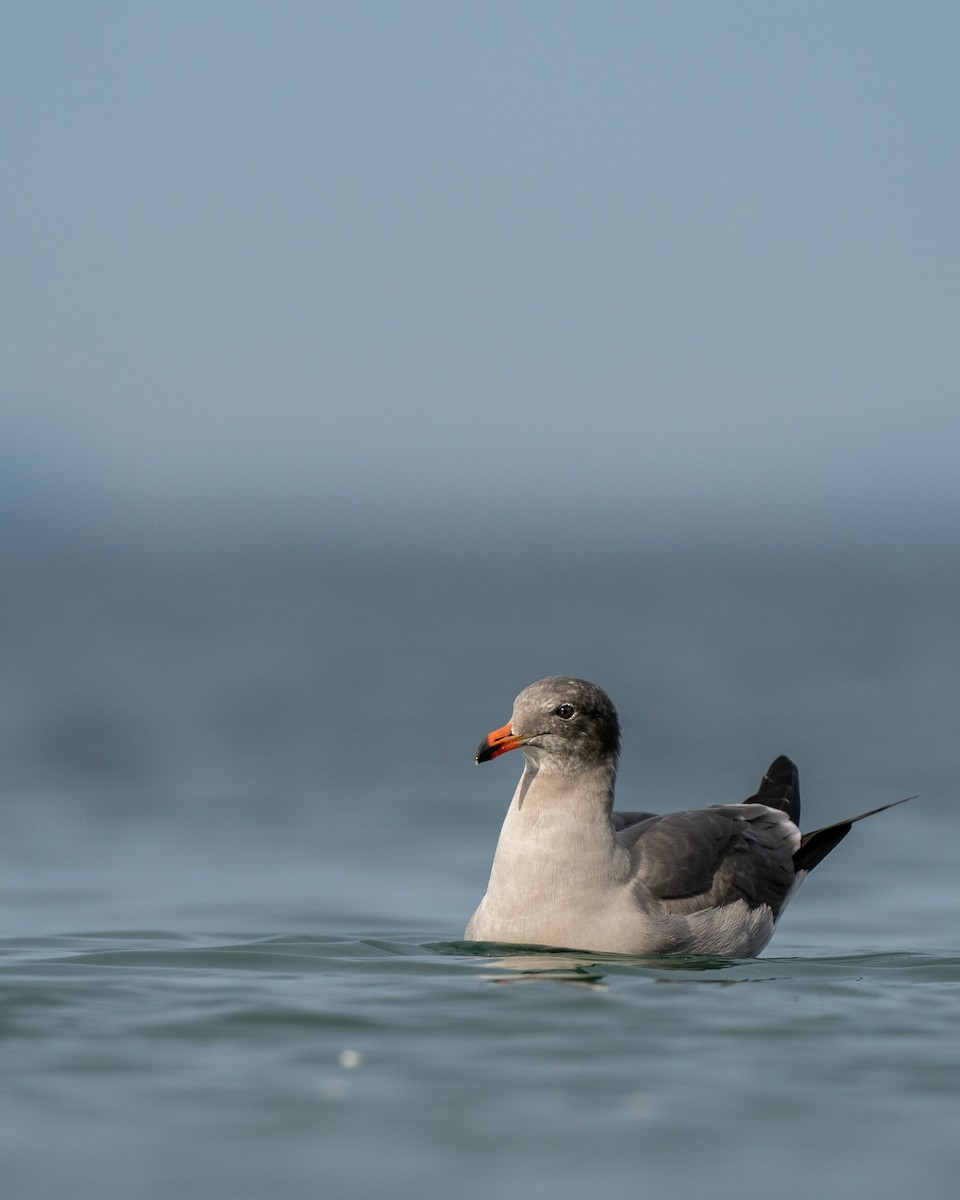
689 861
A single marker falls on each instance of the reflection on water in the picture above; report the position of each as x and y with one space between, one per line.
573 966
557 966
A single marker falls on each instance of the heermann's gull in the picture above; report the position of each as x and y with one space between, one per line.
570 872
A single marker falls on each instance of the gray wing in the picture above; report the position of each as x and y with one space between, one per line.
689 861
622 820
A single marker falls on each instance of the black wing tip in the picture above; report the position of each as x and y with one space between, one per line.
780 788
816 845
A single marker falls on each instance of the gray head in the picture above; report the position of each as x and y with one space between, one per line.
564 723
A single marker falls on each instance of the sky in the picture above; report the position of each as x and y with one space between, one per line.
496 265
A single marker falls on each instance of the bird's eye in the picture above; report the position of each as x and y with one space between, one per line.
565 711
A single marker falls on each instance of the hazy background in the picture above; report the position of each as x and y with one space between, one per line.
362 363
421 267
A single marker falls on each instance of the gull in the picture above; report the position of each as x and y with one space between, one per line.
570 872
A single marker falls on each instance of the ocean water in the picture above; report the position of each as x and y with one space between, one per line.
243 832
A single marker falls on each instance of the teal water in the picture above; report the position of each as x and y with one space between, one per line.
243 832
159 1065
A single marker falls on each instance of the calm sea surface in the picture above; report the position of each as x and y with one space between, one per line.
243 832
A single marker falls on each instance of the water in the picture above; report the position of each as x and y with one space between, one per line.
243 833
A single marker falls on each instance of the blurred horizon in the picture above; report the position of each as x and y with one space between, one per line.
513 272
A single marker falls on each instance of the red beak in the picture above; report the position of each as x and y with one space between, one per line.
499 742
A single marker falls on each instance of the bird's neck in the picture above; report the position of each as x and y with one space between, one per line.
581 798
558 832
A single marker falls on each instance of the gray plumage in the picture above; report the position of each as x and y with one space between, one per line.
568 871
